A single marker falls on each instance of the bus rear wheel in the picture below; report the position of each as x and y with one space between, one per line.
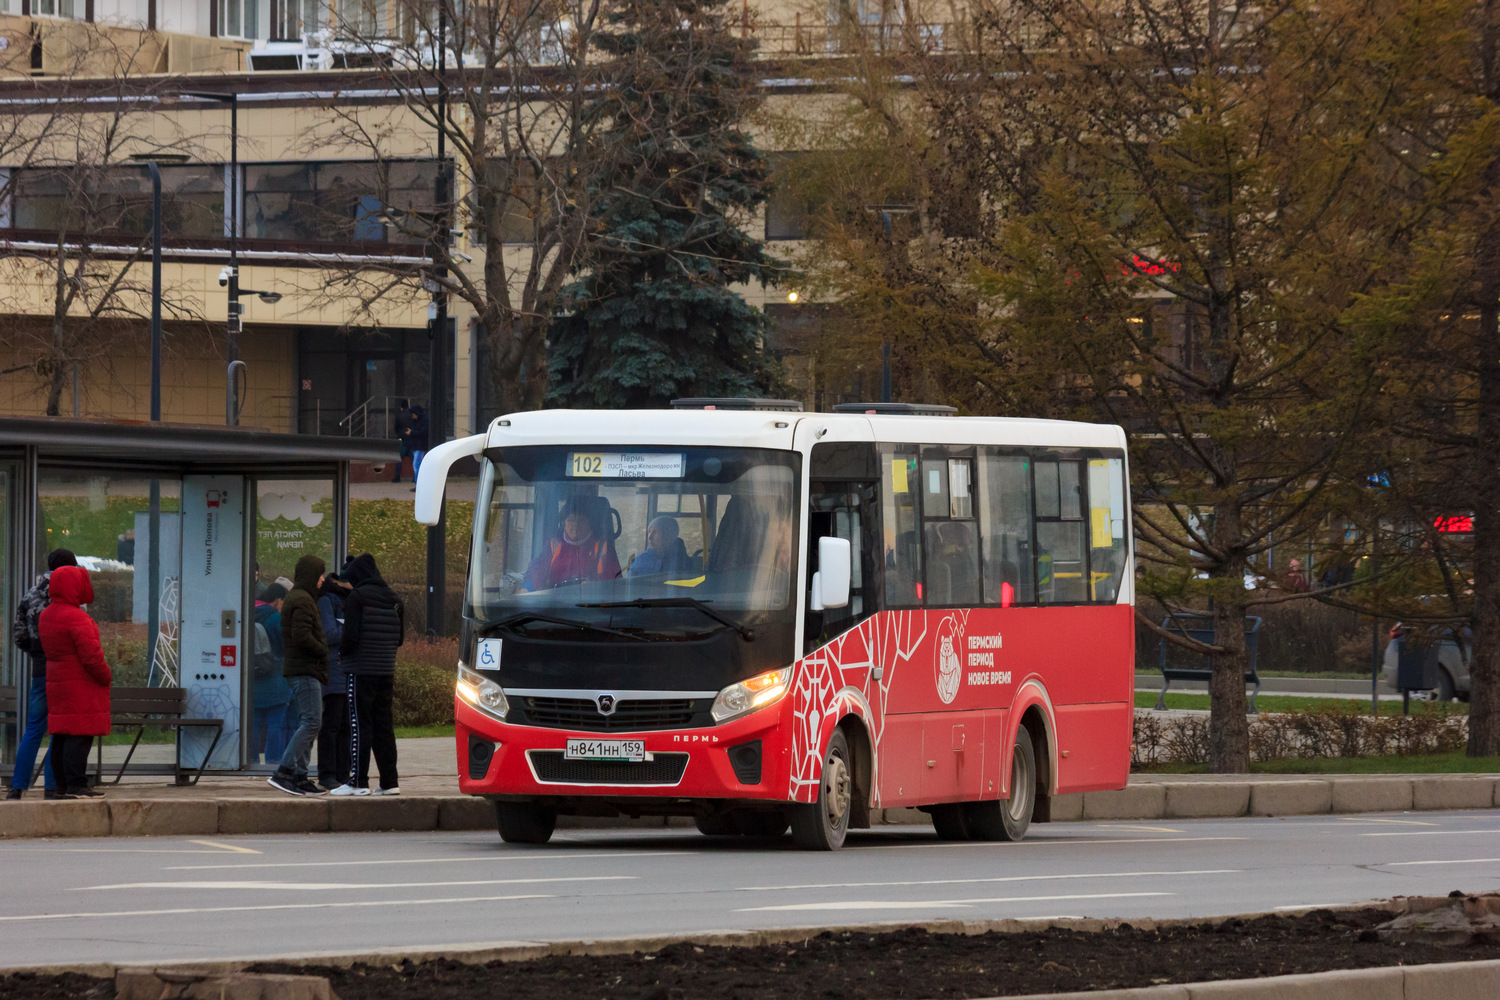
1008 819
951 820
716 825
525 822
822 825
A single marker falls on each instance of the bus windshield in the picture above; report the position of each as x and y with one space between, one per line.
632 541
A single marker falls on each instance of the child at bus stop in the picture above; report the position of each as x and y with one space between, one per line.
305 659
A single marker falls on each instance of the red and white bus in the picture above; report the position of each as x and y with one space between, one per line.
761 618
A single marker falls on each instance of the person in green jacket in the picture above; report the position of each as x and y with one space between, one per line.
305 653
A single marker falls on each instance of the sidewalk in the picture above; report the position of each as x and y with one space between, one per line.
430 800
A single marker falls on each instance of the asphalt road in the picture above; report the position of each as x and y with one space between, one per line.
129 900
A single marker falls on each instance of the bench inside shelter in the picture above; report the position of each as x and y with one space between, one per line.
139 707
10 711
1201 628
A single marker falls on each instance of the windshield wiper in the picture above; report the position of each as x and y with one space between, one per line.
528 616
746 633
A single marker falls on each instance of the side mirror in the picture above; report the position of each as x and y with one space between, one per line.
830 584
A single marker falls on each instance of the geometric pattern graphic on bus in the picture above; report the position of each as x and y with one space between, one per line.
825 677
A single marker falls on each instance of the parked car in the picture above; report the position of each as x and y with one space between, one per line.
1440 665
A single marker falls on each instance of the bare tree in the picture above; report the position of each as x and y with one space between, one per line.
501 89
79 206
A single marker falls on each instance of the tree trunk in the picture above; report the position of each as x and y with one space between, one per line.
1484 668
518 366
57 371
1228 727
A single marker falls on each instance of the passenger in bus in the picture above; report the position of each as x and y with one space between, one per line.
577 552
665 551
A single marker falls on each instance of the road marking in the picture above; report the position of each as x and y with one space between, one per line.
1424 833
977 881
430 861
1003 845
1141 829
268 906
1397 822
895 904
1456 861
231 848
334 886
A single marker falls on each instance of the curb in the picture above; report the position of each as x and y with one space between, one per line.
1153 800
1447 981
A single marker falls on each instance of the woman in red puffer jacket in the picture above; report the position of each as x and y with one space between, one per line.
77 678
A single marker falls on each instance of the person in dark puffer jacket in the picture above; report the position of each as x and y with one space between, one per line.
26 632
374 627
333 738
305 655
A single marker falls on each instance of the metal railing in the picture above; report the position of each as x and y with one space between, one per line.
376 416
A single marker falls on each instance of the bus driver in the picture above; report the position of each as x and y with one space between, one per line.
576 552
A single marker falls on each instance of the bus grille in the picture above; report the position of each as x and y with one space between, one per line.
550 766
631 715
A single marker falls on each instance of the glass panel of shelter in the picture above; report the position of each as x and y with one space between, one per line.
10 658
293 518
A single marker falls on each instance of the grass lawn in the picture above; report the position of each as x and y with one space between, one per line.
1293 703
420 732
1437 763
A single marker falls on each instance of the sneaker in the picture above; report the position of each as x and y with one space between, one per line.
52 793
13 794
284 782
393 790
84 793
349 790
308 788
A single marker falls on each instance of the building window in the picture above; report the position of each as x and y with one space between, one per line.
116 199
239 18
67 9
341 201
294 20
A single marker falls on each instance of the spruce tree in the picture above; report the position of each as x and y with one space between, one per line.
675 175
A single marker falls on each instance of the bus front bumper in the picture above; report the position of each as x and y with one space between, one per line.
746 758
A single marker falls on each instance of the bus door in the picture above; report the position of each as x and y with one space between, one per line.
842 503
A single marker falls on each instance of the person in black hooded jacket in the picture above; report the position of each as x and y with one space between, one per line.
374 627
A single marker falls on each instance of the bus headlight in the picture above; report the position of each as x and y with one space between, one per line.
481 692
747 696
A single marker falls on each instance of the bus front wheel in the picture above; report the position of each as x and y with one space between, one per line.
1008 819
823 824
525 822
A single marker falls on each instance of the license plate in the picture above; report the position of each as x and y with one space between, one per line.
632 750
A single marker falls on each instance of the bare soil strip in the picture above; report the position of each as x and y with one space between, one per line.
908 963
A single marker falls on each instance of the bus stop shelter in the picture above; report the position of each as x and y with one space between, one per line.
180 527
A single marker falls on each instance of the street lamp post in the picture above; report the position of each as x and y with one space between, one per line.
233 321
437 403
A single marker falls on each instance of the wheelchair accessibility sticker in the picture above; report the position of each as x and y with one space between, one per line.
489 654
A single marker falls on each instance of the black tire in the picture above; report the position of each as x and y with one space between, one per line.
525 822
951 821
716 825
1008 819
762 824
823 824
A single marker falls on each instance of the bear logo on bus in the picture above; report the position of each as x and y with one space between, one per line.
948 667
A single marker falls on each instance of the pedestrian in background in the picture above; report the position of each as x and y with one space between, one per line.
403 435
305 651
268 691
78 678
374 626
26 631
418 439
333 737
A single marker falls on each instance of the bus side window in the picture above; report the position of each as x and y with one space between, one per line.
900 526
1107 539
1061 562
1005 526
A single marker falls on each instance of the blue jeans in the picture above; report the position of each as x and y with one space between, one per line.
307 695
31 740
